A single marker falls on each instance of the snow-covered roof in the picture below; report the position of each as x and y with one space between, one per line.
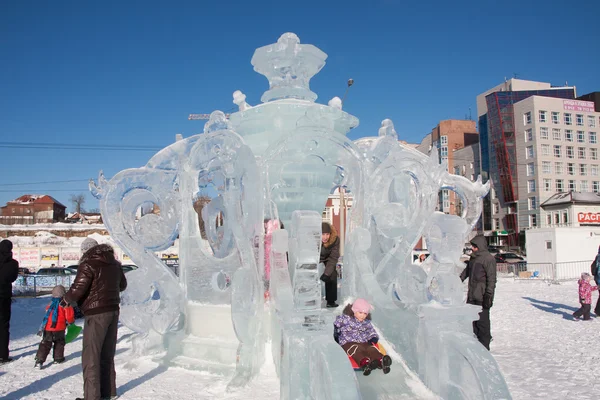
572 198
35 198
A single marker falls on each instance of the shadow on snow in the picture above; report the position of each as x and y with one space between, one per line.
554 308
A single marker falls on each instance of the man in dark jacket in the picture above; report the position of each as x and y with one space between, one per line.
96 289
9 270
330 253
596 275
481 272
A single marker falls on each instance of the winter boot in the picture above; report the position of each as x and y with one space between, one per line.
5 360
365 365
38 364
384 363
59 360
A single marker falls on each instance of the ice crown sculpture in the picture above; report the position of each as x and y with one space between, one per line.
244 199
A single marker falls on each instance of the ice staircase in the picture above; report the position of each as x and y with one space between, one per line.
211 344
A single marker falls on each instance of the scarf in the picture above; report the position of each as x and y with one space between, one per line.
54 310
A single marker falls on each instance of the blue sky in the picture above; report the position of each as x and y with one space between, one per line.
127 73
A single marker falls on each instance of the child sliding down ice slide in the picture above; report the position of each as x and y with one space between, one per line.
355 333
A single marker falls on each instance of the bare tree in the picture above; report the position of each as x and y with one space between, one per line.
78 200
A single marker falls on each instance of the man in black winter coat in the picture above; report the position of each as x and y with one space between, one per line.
9 270
481 272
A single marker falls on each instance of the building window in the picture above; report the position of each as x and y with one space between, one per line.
543 115
547 185
529 135
580 137
548 244
571 169
512 208
457 170
532 203
444 140
579 119
543 132
591 121
555 117
556 134
557 218
530 186
557 150
593 138
530 169
594 170
545 149
471 165
583 169
570 152
444 152
548 219
496 223
496 208
572 186
583 186
595 186
565 217
568 120
529 153
533 220
558 168
568 135
581 153
594 154
464 170
546 167
560 187
527 118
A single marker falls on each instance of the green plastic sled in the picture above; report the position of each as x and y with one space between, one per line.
72 332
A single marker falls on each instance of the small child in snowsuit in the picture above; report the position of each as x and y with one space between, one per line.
355 333
585 297
53 328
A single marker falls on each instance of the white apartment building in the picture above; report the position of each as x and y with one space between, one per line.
557 151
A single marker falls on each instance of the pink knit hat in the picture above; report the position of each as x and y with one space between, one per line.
361 305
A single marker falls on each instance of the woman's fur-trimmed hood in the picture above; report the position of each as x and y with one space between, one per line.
102 252
332 237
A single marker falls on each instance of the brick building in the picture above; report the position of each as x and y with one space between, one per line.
32 209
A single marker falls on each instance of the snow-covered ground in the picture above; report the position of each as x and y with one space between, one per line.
542 352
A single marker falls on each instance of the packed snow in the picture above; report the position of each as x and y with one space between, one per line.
542 351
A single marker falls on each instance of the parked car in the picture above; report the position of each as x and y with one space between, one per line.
125 267
55 271
510 258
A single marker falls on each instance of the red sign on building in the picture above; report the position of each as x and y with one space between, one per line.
588 218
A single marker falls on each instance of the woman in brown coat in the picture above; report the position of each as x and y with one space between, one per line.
330 253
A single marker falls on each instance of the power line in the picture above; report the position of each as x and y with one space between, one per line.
46 190
44 182
77 146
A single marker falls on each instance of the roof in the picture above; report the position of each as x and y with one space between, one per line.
35 199
572 198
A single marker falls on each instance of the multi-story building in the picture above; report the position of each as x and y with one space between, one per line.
504 153
556 151
448 137
466 163
32 209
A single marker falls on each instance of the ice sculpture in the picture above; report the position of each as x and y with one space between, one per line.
278 161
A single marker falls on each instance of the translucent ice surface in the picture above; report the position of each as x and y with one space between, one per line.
245 200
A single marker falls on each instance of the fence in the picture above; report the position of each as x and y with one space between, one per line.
36 285
554 272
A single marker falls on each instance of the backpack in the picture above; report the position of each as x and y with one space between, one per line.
596 269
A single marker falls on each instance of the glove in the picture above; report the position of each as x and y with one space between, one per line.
487 301
39 333
325 278
373 341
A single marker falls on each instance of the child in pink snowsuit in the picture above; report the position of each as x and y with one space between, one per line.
585 297
355 333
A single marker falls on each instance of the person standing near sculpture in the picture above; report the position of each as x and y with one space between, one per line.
596 275
481 272
9 270
330 253
96 289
